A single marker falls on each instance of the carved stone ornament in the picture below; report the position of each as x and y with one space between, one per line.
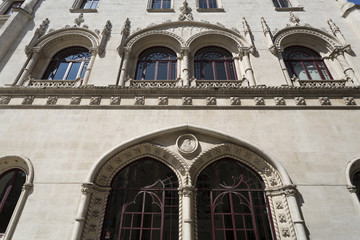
51 100
187 144
235 101
5 99
95 100
259 101
185 12
285 232
140 100
28 100
349 101
187 101
293 19
211 101
187 191
163 101
279 101
300 101
115 100
79 19
75 100
324 101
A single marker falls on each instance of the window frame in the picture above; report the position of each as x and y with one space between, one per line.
357 187
292 5
227 64
171 64
219 6
151 9
317 61
77 7
54 64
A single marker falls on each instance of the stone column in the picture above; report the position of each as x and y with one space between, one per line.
124 69
34 57
86 193
93 52
244 56
237 67
295 213
187 193
284 68
185 74
347 70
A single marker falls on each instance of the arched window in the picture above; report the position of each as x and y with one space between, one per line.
68 64
11 183
143 203
305 64
158 63
356 182
231 203
214 63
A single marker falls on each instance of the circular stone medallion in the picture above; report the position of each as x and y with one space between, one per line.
187 144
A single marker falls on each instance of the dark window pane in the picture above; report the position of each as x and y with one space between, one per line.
220 71
162 71
11 184
150 71
225 208
156 4
207 71
136 208
356 182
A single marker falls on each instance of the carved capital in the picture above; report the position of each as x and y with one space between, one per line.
187 191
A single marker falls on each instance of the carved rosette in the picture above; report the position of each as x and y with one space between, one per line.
163 101
95 100
187 101
235 101
324 101
139 100
300 101
115 100
28 100
211 101
75 100
5 99
51 100
259 101
349 101
279 101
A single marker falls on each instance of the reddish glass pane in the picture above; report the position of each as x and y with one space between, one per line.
231 203
305 64
143 203
214 63
11 183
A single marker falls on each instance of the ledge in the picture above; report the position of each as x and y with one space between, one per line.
80 10
160 10
210 9
3 19
288 9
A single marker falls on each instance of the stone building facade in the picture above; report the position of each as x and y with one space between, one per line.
164 119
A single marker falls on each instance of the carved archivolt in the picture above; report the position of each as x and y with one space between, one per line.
303 35
187 170
73 36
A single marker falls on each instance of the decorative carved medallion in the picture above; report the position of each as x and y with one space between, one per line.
95 100
349 101
28 100
187 144
52 100
300 101
279 101
186 101
163 101
324 101
5 99
139 100
235 101
211 101
115 100
75 100
259 101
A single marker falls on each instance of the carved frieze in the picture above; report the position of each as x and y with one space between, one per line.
139 100
5 100
95 100
115 100
75 100
51 100
28 100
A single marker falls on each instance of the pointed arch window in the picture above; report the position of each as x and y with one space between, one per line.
158 63
144 203
305 64
214 63
68 64
231 203
356 182
11 183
